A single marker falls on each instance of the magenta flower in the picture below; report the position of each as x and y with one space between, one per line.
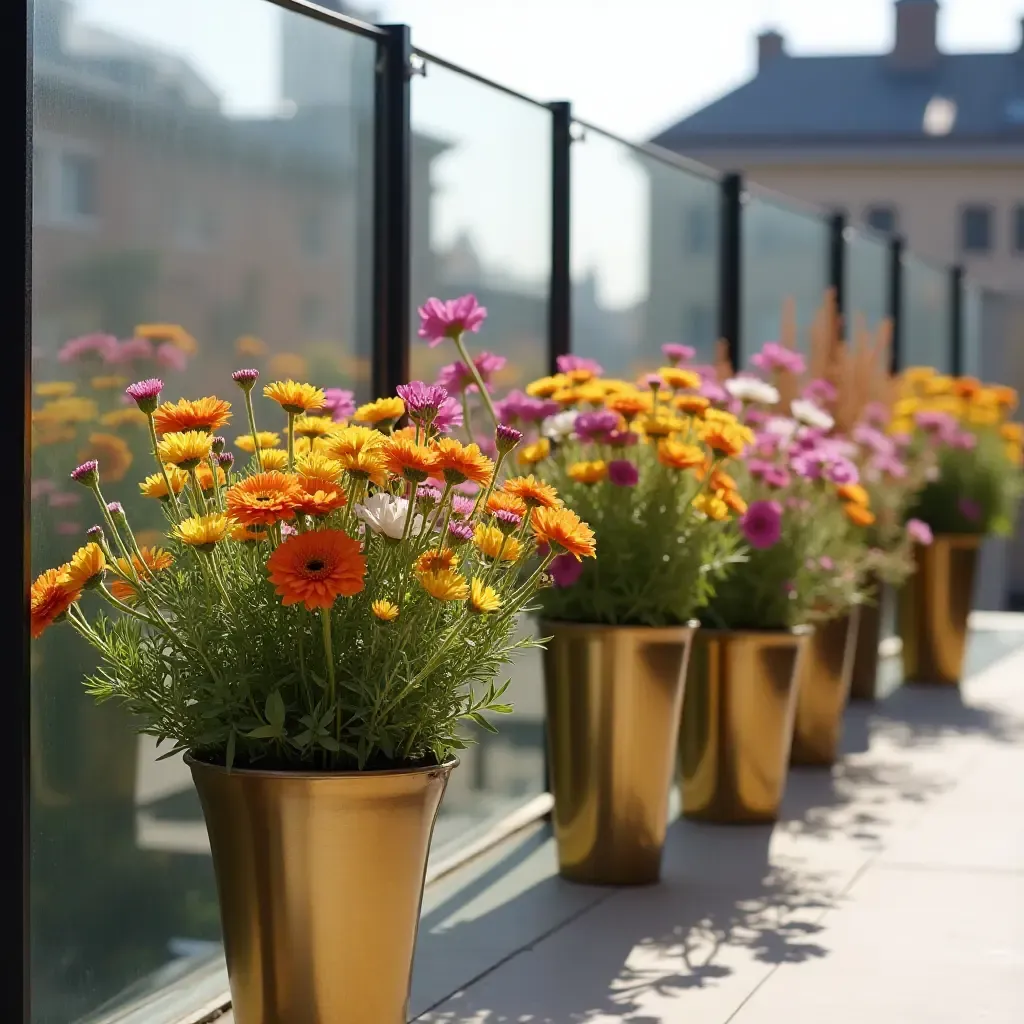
566 364
458 376
507 521
919 532
518 407
448 415
969 509
774 356
226 460
841 471
245 379
777 477
218 444
621 438
339 403
104 346
935 422
963 439
809 465
595 426
873 439
132 349
94 533
422 400
462 506
565 570
762 524
171 357
459 533
623 473
875 413
428 494
676 354
440 320
87 473
506 438
821 392
145 393
889 465
758 467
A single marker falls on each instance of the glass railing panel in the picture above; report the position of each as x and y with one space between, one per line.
867 280
926 308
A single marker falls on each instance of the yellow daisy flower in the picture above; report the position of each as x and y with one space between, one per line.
154 485
108 383
273 458
384 410
588 472
386 611
490 540
482 598
185 449
294 397
203 532
536 452
55 389
445 585
86 567
264 438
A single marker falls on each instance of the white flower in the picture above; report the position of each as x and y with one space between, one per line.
781 426
559 427
807 412
752 389
385 514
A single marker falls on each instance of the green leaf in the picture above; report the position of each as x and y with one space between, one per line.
264 732
275 709
481 721
229 756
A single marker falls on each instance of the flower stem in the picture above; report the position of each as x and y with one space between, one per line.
252 429
325 619
291 442
172 497
476 376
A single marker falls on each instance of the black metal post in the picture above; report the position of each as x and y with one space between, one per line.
730 284
16 232
837 261
560 299
392 208
896 301
956 320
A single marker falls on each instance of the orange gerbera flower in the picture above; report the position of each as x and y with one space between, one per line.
246 534
263 499
320 503
692 404
858 514
205 476
407 459
207 414
112 453
535 493
316 568
588 472
562 530
458 462
630 404
855 493
51 596
153 560
294 397
503 501
490 541
86 567
677 455
725 438
386 611
733 500
437 560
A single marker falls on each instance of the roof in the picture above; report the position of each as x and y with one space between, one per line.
861 99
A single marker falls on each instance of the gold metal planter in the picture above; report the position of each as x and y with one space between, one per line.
614 695
864 677
934 605
320 879
737 723
823 688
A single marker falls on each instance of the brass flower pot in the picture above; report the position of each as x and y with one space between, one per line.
320 879
737 724
614 695
823 689
864 677
934 605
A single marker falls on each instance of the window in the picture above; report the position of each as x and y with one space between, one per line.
195 223
1017 229
65 181
976 228
698 230
77 192
312 315
313 234
882 218
698 325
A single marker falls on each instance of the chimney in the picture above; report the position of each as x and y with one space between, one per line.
770 47
916 47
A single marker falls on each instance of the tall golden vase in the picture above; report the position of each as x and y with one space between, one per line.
934 605
320 879
823 689
864 675
737 724
614 695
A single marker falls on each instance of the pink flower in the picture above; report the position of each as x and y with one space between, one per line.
68 529
651 380
565 570
63 499
130 349
517 406
448 415
826 563
288 531
171 357
963 439
889 465
677 354
440 320
774 356
145 393
776 476
875 413
623 473
422 400
595 426
86 473
246 378
621 438
873 439
459 533
712 390
340 403
457 376
919 532
821 392
462 506
104 346
935 422
762 524
566 364
506 438
758 467
841 471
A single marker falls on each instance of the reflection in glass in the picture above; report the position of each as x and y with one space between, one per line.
926 329
867 280
645 243
785 255
971 330
177 182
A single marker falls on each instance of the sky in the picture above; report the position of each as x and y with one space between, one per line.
632 67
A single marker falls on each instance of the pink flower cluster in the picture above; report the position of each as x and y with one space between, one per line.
774 357
458 377
107 349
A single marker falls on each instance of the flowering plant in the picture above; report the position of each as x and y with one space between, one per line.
963 424
646 466
338 603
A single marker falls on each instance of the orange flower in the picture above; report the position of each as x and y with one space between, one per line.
721 481
677 455
563 530
386 611
320 503
855 493
491 541
679 379
588 472
246 534
630 404
535 493
503 501
436 560
445 585
294 397
205 476
250 345
725 438
207 414
173 334
858 514
966 387
1012 432
51 596
263 499
692 404
1005 396
733 500
153 560
86 567
712 505
112 453
407 459
317 472
547 386
458 462
316 568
